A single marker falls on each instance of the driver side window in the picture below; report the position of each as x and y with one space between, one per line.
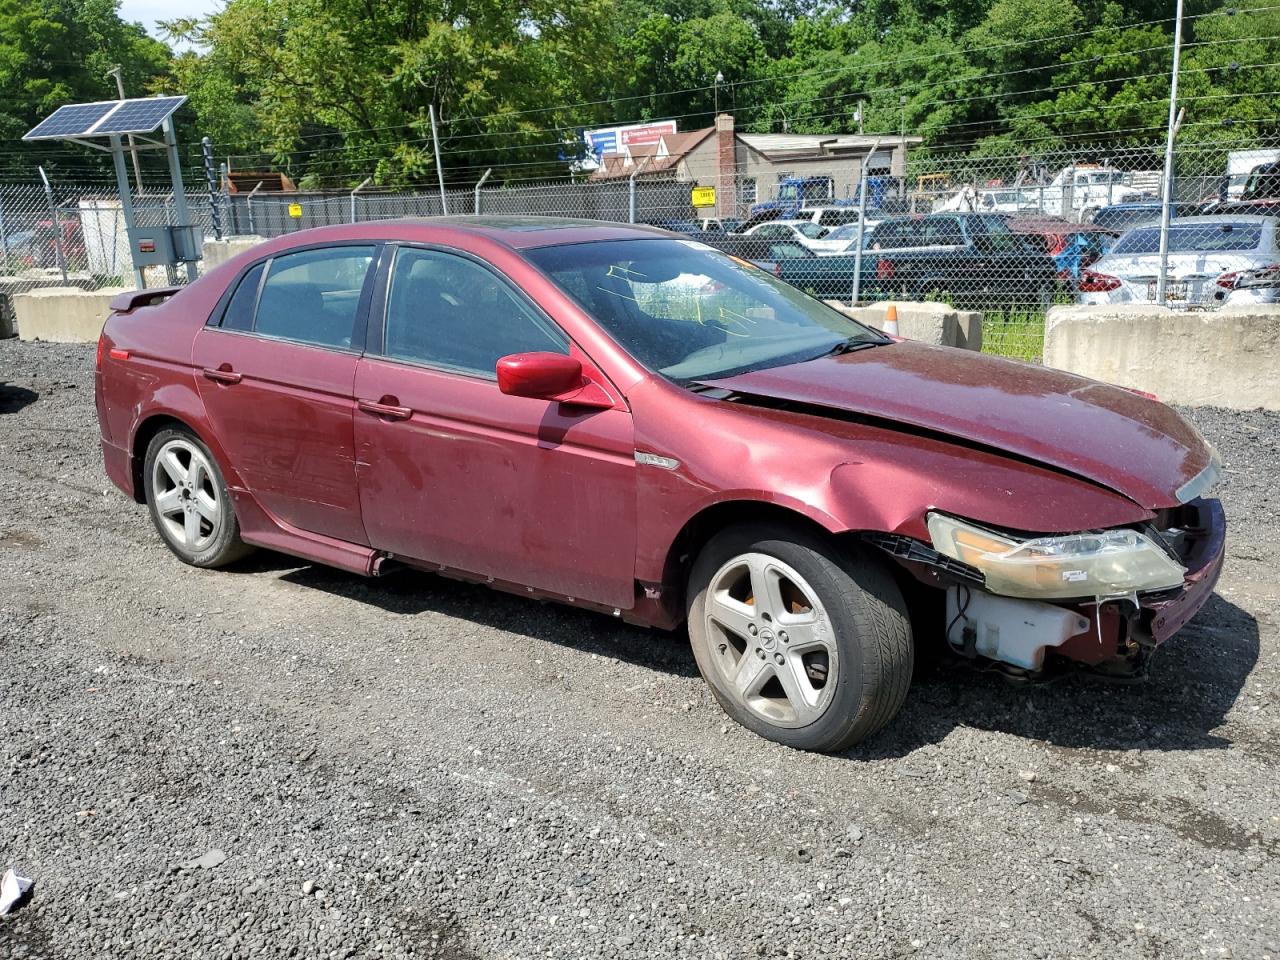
447 311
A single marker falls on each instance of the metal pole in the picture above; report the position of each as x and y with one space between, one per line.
133 150
179 194
126 204
249 205
215 215
631 190
1166 188
862 225
57 225
478 186
363 183
4 239
435 145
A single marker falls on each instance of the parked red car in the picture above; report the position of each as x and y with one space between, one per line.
621 419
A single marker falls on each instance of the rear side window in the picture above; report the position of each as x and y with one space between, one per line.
313 296
239 313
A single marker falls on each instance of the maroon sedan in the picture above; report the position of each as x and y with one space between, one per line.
624 420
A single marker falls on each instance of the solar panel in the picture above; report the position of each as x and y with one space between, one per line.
110 116
138 116
71 121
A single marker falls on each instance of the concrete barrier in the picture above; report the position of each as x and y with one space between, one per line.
218 252
63 314
935 323
11 286
1222 358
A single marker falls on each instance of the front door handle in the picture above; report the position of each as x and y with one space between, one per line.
224 374
388 408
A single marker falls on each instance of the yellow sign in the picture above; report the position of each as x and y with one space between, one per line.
295 211
704 196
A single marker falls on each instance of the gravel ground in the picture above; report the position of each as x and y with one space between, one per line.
414 767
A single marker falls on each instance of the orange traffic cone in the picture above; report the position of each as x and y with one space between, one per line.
891 320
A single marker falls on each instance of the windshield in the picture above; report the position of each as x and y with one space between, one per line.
848 232
811 230
1189 238
692 313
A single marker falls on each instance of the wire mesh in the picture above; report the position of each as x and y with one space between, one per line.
1008 236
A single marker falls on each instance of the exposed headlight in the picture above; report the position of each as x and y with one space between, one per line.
1113 563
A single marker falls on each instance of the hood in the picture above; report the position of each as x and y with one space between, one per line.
1111 436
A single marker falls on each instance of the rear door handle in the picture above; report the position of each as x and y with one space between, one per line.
387 408
222 375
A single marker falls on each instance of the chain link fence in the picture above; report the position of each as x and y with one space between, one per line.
1008 236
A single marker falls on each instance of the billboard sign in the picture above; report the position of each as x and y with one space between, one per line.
615 139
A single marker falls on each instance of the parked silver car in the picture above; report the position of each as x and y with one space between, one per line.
1205 256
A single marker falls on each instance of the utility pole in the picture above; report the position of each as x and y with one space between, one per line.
133 150
857 116
1166 205
719 80
902 136
435 144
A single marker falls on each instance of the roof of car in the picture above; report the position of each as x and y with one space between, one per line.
516 232
1209 220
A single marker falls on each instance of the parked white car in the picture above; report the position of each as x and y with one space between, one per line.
1206 254
1260 285
804 232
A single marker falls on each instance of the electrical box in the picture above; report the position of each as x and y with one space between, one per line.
161 246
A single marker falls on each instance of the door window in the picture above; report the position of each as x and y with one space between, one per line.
448 311
313 296
239 313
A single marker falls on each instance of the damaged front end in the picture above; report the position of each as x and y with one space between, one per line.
1101 600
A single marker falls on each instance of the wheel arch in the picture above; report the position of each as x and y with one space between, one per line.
710 520
143 434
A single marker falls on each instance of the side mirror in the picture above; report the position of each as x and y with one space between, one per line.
544 376
549 376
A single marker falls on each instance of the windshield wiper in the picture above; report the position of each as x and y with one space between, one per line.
853 344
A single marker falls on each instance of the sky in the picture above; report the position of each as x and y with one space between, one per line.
149 11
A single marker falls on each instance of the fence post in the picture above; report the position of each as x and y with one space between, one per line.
1166 191
476 209
249 205
4 239
215 215
57 225
862 224
363 183
631 190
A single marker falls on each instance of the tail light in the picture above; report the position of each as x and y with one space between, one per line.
1228 280
777 270
884 269
1268 276
1091 282
102 345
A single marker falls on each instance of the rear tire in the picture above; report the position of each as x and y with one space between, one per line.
824 660
189 501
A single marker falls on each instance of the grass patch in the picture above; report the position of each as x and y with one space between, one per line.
1015 334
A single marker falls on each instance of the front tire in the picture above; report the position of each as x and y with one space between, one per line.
189 501
801 642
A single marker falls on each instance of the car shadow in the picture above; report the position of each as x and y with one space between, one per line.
1194 680
411 592
13 399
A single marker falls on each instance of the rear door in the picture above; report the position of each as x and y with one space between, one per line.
276 369
454 472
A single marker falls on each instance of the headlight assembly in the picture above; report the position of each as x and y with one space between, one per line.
1112 563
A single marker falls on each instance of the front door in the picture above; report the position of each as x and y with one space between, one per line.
276 375
454 472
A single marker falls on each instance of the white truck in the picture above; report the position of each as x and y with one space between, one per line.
1083 187
1240 164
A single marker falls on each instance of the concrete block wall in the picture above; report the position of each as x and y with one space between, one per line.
218 252
935 323
63 314
1222 358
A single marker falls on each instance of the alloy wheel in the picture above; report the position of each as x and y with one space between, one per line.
186 495
771 640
